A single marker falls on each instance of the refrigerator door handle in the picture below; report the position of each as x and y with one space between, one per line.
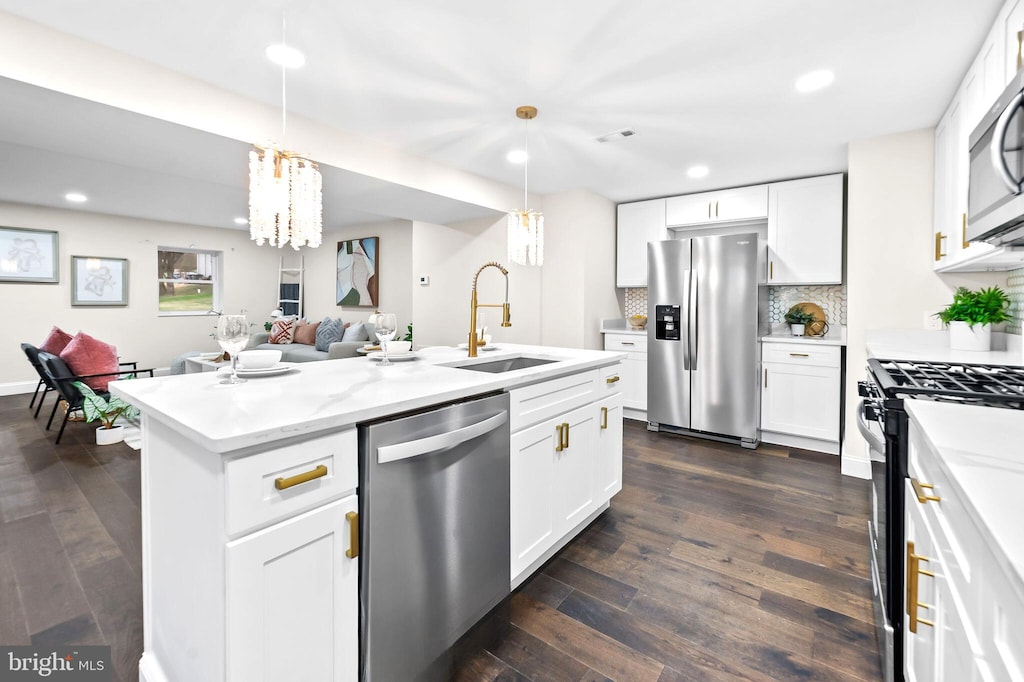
687 277
691 327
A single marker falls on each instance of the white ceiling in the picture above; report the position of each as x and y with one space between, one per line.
706 82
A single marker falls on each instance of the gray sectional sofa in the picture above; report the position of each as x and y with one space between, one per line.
300 352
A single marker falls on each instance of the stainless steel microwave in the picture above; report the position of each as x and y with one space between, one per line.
995 199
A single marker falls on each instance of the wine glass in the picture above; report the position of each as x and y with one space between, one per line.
386 328
233 336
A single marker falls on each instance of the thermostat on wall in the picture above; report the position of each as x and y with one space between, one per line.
424 280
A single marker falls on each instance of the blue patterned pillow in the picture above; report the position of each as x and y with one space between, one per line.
329 331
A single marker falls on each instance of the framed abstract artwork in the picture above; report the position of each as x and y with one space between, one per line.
359 272
28 255
99 281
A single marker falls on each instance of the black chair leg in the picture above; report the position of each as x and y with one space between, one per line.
62 425
54 412
41 399
35 393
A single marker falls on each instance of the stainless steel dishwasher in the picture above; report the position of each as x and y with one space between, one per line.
434 497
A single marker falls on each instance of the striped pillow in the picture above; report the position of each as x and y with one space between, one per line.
283 330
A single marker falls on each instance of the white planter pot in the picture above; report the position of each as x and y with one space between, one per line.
964 337
797 329
109 436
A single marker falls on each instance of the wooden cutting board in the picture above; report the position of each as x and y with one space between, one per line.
818 327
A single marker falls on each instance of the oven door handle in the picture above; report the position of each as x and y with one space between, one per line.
875 442
998 144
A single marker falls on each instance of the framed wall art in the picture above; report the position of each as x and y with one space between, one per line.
28 255
359 272
99 281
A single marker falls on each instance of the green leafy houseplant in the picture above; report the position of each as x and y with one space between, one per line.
408 334
799 316
96 407
985 306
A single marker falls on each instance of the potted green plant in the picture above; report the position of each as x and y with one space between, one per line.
797 318
95 406
971 315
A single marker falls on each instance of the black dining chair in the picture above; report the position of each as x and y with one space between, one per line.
64 379
32 353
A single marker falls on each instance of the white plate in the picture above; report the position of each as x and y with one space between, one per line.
279 368
465 346
395 357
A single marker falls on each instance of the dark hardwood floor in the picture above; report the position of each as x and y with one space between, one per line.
713 563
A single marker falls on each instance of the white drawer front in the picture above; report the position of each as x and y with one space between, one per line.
801 353
631 343
532 404
253 498
612 379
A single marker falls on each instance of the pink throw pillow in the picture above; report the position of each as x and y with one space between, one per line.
86 355
283 330
306 334
55 341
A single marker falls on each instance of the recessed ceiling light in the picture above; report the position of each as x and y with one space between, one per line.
241 221
698 171
516 156
286 56
76 197
815 80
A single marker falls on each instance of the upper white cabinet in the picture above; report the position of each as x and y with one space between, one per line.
638 223
741 203
805 231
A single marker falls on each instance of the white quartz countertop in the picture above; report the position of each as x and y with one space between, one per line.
836 336
914 344
332 394
985 461
619 325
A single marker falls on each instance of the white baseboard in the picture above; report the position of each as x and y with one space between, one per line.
858 467
789 440
635 414
18 387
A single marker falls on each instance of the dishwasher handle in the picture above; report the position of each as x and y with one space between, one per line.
442 441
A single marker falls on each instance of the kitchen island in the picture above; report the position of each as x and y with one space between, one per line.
250 501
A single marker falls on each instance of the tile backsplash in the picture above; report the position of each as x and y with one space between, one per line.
1015 290
831 298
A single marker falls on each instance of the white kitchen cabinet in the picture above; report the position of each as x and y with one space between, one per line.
634 374
805 231
292 598
609 446
739 203
800 395
564 470
638 223
1010 22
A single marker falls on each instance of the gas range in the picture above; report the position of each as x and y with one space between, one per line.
889 384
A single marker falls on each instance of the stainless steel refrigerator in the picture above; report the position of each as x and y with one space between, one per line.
706 309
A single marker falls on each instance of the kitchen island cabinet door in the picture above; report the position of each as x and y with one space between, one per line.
575 472
532 487
609 447
292 599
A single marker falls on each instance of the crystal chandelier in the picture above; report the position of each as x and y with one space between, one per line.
285 191
526 227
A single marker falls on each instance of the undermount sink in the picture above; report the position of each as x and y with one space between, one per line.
506 365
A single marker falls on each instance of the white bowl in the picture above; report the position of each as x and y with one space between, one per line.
258 359
399 346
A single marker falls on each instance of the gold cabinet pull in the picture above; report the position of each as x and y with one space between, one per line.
604 417
283 483
709 210
938 246
766 377
561 438
628 343
353 535
1020 52
612 379
799 355
716 209
913 572
771 269
919 490
963 230
565 433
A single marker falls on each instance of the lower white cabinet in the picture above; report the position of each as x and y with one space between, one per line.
800 395
292 598
563 469
634 372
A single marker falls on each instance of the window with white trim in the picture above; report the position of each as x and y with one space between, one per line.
189 280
